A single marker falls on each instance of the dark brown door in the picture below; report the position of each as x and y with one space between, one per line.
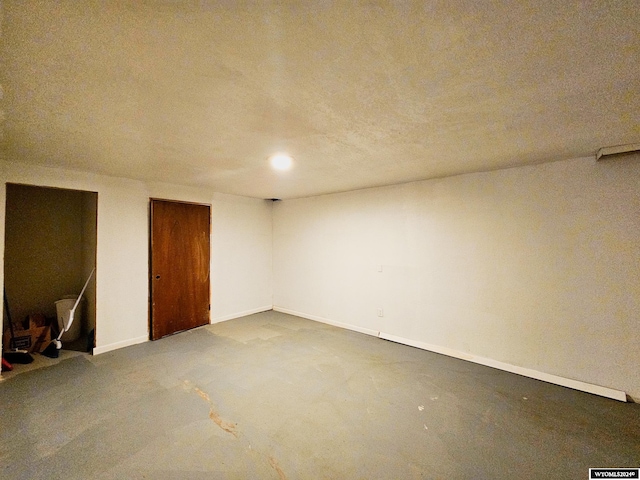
179 267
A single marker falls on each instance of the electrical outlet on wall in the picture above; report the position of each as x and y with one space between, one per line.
380 312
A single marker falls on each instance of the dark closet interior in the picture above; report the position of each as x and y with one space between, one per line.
50 251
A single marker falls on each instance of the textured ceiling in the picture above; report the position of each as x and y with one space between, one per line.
359 93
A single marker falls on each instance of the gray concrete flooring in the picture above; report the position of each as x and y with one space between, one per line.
279 397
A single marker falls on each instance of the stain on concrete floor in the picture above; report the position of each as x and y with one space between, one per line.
326 403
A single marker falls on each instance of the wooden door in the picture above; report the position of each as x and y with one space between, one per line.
179 266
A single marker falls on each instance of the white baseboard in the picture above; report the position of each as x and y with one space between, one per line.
122 344
135 341
241 314
346 326
526 372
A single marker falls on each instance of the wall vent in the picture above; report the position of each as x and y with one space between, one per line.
608 152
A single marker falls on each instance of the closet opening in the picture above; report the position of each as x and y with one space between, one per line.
50 252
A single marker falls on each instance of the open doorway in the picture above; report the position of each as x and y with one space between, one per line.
50 251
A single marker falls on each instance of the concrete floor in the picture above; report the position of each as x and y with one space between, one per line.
279 397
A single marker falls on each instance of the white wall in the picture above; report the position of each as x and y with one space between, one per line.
123 247
537 267
241 246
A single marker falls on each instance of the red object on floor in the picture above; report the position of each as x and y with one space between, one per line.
6 366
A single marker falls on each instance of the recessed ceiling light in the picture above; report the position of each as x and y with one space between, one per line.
281 161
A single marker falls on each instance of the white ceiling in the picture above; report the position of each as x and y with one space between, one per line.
359 93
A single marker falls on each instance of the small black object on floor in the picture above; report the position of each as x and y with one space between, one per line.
18 356
51 351
14 355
